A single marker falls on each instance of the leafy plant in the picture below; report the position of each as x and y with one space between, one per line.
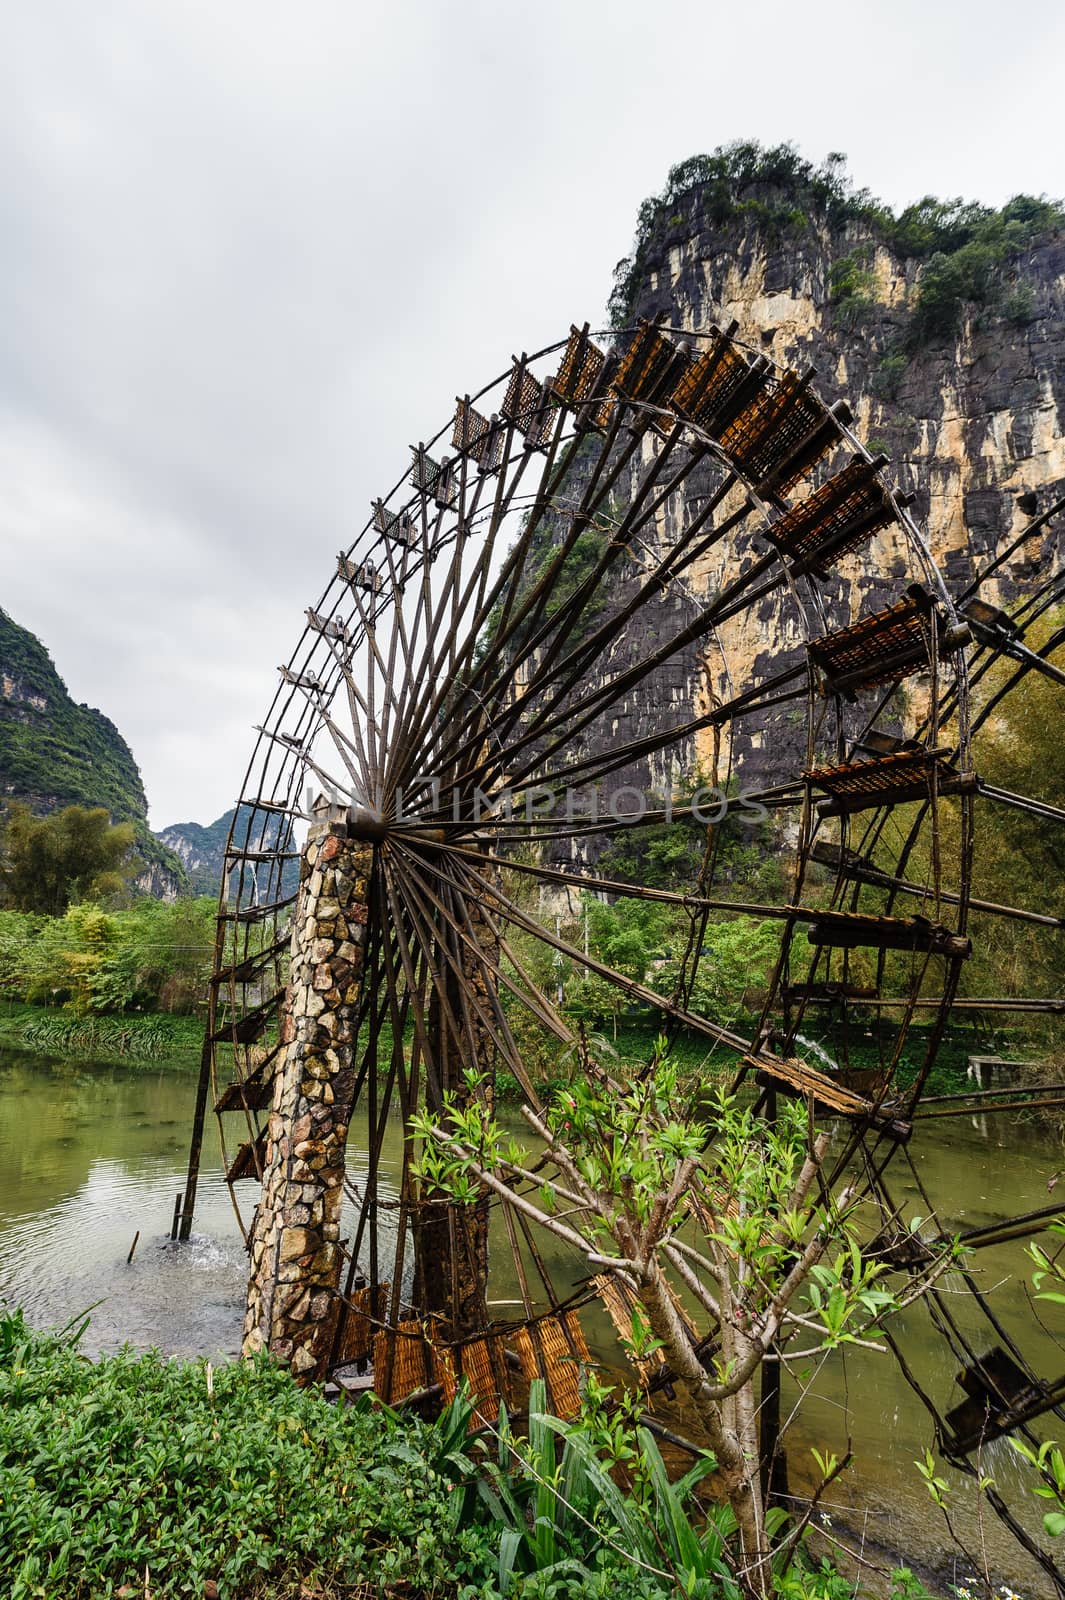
149 957
235 1476
75 853
890 371
1049 1462
634 1173
852 286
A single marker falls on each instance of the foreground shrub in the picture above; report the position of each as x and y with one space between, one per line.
141 1476
234 1477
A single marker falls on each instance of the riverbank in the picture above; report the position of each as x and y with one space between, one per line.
132 1037
860 1047
162 1038
91 1156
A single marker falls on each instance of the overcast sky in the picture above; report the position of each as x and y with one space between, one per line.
248 252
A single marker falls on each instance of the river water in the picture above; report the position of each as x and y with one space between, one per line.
92 1154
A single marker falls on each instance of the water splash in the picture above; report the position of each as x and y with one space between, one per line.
818 1052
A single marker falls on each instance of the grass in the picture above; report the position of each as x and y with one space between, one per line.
144 1036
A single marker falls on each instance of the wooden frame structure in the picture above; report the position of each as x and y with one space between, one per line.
471 662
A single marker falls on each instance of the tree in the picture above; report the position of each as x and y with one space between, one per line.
735 961
707 1207
73 854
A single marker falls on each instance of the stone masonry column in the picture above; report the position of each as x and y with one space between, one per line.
295 1250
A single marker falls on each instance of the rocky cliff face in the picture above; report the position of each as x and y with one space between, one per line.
952 360
202 850
54 752
972 422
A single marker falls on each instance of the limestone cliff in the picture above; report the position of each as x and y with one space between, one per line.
944 329
202 850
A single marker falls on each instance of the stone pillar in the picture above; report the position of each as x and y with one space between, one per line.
295 1252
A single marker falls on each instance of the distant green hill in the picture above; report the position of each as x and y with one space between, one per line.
54 752
202 850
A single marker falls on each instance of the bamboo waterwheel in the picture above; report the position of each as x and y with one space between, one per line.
494 690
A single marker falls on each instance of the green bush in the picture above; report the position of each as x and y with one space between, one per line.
137 1474
162 1475
1019 305
852 286
890 371
158 1476
150 957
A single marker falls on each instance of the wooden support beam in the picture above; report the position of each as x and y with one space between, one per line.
849 930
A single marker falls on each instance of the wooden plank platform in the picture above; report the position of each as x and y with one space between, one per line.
250 1027
837 519
804 1082
328 627
719 384
252 967
298 680
249 1159
577 379
1000 1395
781 434
260 857
882 648
650 368
849 930
888 780
826 994
992 626
254 1094
261 913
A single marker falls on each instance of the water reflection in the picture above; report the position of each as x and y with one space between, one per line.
89 1155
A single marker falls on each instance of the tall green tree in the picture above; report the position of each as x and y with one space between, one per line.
73 854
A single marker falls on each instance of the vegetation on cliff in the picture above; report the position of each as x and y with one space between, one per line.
962 251
202 849
52 750
56 753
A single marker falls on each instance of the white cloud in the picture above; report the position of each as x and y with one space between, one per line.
247 253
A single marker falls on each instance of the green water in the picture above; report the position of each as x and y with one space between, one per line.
91 1154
